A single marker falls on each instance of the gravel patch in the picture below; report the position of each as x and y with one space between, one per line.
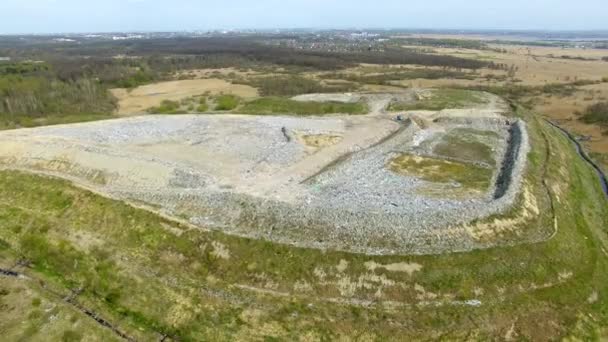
240 175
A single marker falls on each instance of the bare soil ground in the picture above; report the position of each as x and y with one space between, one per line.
137 100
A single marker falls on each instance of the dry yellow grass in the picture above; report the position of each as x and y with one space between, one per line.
214 73
534 68
548 51
318 141
564 109
141 98
375 88
461 36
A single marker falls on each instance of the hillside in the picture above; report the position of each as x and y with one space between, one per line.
149 277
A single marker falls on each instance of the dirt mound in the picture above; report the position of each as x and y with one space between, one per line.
353 183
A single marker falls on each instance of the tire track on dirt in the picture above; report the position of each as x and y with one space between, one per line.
346 156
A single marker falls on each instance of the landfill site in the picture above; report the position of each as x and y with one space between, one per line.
388 182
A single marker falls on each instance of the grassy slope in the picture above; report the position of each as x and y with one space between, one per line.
151 276
468 145
601 159
442 98
19 122
278 105
260 106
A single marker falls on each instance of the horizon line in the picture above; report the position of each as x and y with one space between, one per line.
345 28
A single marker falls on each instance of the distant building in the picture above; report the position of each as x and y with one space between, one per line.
137 36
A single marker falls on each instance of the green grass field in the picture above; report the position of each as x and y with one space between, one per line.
226 102
443 171
27 122
278 105
442 98
468 145
167 107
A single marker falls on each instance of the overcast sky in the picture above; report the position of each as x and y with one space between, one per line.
52 16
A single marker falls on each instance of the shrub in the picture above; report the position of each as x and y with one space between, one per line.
277 105
227 102
71 336
580 83
202 105
166 107
387 78
36 302
35 96
135 80
295 85
596 114
4 244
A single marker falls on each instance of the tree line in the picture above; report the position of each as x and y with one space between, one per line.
45 78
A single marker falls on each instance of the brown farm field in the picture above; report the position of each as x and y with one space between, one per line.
535 67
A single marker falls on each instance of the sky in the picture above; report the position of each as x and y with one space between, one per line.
67 16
